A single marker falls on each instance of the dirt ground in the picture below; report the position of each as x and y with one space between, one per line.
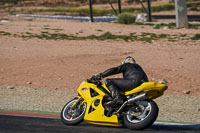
63 64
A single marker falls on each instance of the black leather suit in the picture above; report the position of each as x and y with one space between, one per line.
133 76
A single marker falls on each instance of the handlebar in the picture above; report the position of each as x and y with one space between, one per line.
97 82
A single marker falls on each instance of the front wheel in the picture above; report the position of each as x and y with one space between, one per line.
73 115
141 115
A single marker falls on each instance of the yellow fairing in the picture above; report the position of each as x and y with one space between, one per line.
152 89
95 111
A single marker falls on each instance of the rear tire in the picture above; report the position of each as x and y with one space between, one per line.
73 116
145 119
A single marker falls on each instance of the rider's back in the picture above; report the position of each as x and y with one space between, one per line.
133 71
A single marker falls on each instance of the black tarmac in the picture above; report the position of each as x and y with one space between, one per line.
24 124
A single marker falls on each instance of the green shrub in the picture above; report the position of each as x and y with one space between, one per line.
196 37
163 7
126 18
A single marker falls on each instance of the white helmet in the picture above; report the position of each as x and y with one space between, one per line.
128 59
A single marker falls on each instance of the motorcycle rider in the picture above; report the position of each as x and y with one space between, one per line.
133 76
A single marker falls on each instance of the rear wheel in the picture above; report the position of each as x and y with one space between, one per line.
73 115
142 115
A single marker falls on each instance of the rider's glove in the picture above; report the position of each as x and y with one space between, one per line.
97 77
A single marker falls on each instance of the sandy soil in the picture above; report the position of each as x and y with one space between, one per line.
63 64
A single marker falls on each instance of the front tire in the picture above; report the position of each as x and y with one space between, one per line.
71 116
141 117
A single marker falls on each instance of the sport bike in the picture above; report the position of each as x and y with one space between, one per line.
137 112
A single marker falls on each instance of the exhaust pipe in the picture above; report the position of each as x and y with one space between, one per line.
137 98
131 100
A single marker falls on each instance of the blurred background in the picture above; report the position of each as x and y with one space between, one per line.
100 7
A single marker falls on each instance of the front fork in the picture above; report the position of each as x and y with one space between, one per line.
75 109
78 103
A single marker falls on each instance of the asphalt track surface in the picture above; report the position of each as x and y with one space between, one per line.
28 124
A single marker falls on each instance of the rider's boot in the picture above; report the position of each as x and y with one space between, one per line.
113 103
115 94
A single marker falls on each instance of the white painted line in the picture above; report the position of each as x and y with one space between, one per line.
171 123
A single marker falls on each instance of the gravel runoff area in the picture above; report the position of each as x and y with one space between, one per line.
175 108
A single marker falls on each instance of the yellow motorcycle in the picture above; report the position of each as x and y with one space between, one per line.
138 111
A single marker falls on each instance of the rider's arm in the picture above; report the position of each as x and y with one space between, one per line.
112 71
